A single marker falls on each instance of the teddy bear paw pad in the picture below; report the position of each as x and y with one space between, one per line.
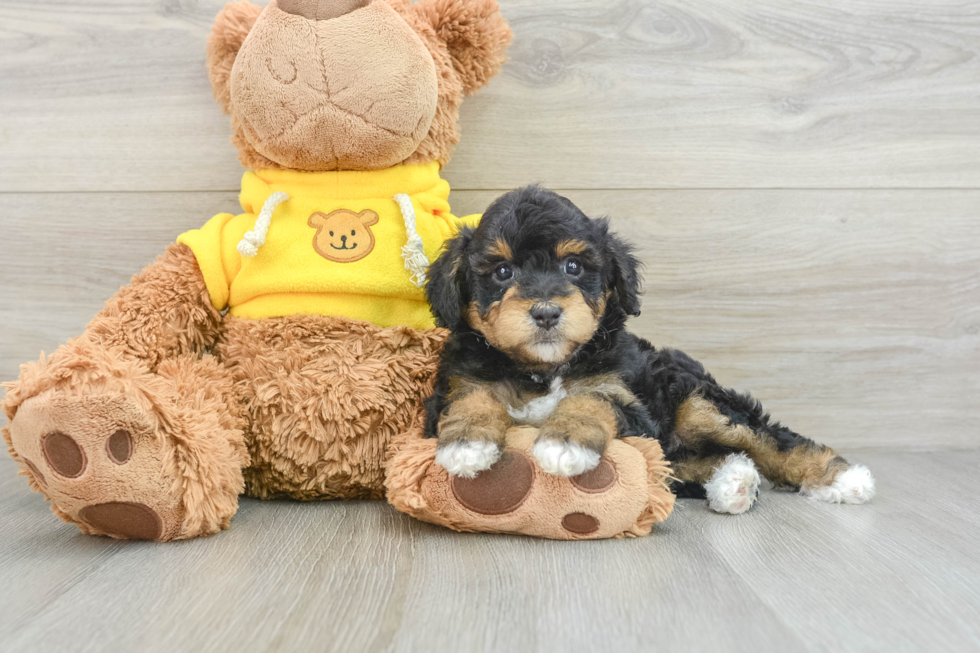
499 490
124 520
596 480
580 523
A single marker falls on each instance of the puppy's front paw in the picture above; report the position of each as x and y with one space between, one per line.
564 458
467 458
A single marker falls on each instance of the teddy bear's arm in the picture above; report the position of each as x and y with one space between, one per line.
164 312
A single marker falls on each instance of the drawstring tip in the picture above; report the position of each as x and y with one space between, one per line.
247 249
413 252
249 245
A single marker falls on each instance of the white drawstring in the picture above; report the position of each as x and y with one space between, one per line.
413 251
251 241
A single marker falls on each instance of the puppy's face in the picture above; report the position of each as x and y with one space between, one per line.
537 293
536 278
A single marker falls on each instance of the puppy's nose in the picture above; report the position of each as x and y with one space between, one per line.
343 239
546 316
321 9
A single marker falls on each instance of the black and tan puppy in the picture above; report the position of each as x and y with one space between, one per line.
536 299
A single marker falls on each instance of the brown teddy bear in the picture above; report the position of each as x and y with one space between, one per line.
282 351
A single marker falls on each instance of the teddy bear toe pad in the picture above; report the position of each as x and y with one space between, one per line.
99 462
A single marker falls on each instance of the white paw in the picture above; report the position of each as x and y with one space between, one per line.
467 458
564 458
734 486
853 485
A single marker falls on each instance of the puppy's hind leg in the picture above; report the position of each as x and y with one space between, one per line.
853 485
730 482
737 423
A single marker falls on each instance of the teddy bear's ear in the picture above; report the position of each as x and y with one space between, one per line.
227 35
475 33
368 217
317 220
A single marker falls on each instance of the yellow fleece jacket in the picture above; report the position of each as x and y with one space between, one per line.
334 247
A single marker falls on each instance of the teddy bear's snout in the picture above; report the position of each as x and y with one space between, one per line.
321 9
352 93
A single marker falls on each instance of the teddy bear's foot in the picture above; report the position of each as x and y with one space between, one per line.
126 452
100 462
734 486
623 495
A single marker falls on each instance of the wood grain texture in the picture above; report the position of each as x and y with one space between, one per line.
113 95
854 316
792 574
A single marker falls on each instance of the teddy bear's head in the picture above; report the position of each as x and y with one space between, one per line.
319 85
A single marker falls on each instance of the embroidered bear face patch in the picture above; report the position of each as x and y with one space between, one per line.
343 236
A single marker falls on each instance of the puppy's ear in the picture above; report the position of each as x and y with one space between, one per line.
625 284
475 33
446 277
232 25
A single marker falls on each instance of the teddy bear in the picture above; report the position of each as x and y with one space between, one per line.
285 351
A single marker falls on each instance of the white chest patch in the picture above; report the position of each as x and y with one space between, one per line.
536 411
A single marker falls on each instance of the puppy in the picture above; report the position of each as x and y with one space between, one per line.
536 299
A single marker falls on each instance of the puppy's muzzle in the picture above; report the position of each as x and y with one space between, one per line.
546 315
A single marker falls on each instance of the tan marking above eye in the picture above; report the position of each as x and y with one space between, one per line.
570 247
501 249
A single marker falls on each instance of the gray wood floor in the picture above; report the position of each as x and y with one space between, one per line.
899 574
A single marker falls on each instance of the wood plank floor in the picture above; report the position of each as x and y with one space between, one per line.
899 574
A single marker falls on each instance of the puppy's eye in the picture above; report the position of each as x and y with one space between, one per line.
503 272
573 267
331 233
